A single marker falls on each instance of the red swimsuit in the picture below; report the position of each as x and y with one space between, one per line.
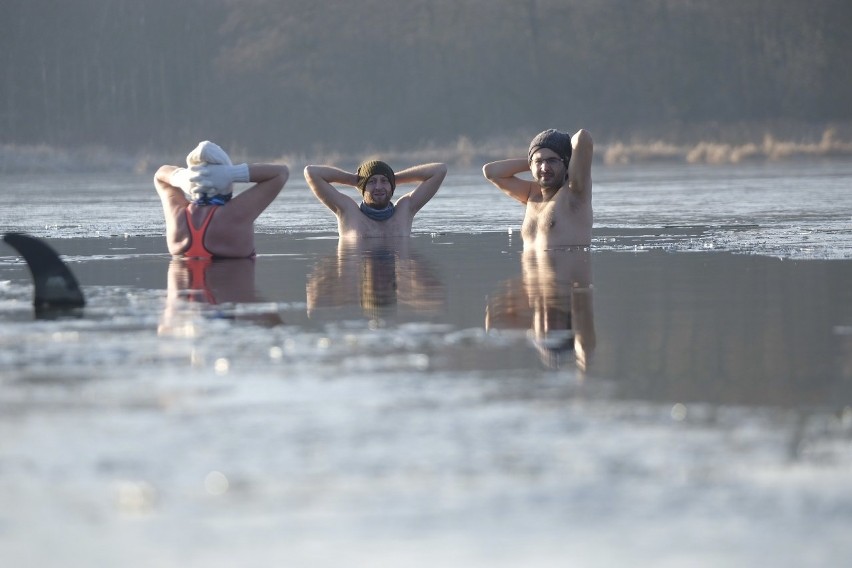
196 236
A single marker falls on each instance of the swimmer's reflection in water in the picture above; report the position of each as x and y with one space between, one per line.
197 286
378 280
553 300
378 275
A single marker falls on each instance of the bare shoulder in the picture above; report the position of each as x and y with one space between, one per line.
348 208
404 206
349 216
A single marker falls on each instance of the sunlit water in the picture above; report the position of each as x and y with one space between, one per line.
397 407
792 210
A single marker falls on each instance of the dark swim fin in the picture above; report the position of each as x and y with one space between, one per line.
55 284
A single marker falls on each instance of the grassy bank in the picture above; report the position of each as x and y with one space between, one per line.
695 146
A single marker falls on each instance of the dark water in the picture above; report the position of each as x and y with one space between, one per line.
696 327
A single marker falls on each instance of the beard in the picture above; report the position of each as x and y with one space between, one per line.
378 203
553 181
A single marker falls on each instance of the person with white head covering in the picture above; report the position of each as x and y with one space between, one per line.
204 219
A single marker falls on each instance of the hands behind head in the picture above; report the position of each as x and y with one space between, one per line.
202 180
216 179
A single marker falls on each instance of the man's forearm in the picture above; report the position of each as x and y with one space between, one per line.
505 168
331 174
420 173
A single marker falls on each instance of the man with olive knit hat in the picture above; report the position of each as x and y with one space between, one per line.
376 215
559 199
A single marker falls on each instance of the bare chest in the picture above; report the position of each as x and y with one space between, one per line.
557 223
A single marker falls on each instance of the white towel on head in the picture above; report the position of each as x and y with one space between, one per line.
208 152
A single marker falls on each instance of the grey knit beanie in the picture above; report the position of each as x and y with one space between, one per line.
559 142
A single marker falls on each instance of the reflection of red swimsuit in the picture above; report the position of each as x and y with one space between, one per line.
196 236
197 268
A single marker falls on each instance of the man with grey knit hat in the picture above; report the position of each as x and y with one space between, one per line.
559 199
376 215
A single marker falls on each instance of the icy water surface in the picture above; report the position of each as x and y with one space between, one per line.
424 403
791 210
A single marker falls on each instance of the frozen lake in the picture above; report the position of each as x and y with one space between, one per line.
402 406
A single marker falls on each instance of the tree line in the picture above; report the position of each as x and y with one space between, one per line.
279 76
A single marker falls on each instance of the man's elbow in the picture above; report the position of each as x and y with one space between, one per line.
313 174
488 171
582 138
283 175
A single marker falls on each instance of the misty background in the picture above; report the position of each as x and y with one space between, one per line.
319 78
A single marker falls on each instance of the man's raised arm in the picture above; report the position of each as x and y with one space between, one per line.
580 166
320 178
504 174
430 176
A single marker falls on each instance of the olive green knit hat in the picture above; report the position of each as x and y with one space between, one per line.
371 168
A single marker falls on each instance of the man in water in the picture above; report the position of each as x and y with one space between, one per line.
559 199
376 215
202 221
